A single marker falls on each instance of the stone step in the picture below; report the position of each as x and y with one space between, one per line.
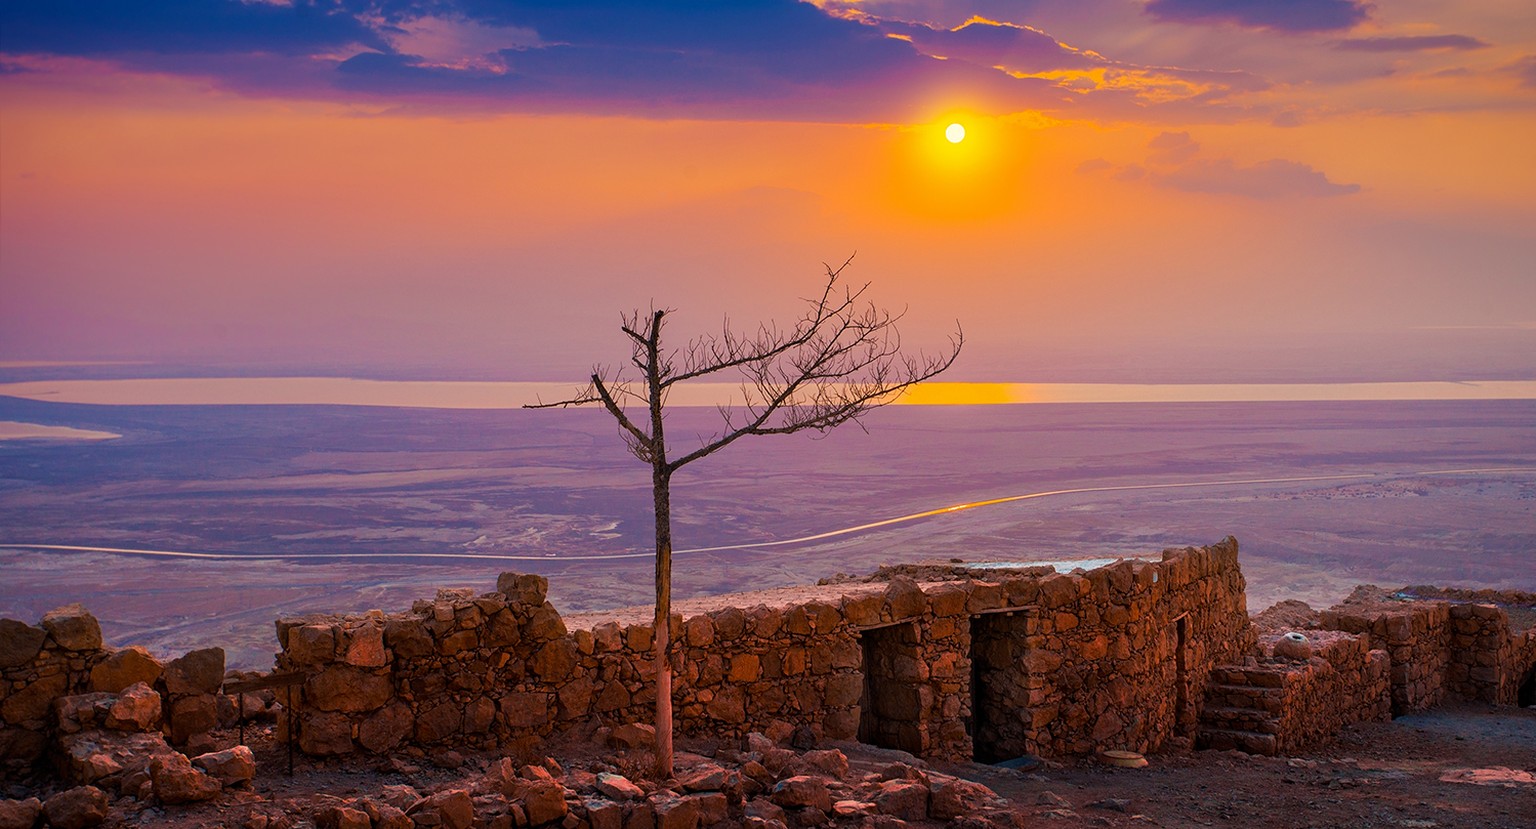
1248 676
1271 700
1220 739
1239 719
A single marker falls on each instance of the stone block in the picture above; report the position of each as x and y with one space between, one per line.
385 728
344 688
231 767
176 781
408 638
125 667
904 599
523 588
324 733
20 642
137 708
198 672
364 646
439 722
31 703
73 628
745 667
525 709
20 814
79 808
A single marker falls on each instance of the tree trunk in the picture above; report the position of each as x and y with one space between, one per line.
663 624
661 487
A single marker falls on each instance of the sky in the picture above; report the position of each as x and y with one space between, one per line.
1158 191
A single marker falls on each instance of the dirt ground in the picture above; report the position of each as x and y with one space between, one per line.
1397 774
1465 766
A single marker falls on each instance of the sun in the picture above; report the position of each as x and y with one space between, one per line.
955 133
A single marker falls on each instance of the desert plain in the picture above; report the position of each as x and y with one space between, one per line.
344 508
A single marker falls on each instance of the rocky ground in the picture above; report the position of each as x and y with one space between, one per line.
1471 766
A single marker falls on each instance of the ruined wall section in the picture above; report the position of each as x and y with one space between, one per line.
63 656
1275 705
1102 661
1483 664
1416 635
1098 667
38 664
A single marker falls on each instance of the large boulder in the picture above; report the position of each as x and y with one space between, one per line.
20 814
89 756
191 716
452 809
198 672
343 817
79 808
125 667
137 708
802 791
73 628
175 781
230 767
950 798
19 643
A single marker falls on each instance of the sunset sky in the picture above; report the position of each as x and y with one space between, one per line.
1175 190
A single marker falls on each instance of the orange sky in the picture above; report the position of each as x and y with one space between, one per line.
1343 219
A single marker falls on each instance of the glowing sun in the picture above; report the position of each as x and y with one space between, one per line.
955 133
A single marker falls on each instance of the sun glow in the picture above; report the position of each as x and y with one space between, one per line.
955 133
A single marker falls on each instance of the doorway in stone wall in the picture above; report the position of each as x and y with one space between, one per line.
1525 697
891 705
1001 724
1183 718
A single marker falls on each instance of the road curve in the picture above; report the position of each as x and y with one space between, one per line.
900 519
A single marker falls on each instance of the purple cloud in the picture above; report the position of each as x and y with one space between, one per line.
1525 70
1273 179
1277 15
764 58
1412 43
991 43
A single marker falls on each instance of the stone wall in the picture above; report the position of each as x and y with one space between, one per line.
1109 658
1275 705
1417 636
39 664
1482 651
1441 644
63 656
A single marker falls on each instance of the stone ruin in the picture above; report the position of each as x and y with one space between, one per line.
957 664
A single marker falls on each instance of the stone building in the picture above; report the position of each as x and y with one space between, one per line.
952 662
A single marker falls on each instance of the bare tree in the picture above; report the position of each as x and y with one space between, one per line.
840 360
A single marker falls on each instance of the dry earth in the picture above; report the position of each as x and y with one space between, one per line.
1467 766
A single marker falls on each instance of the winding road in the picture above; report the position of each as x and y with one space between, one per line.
901 519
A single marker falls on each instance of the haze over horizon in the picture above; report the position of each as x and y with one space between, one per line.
1168 191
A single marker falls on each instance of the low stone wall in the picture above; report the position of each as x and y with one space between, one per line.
39 664
1274 705
63 656
1417 636
1482 651
1110 658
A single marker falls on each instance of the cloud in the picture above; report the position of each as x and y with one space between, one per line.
760 58
1277 15
84 28
1098 84
1174 161
1412 43
1273 179
1525 70
1173 147
1007 46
